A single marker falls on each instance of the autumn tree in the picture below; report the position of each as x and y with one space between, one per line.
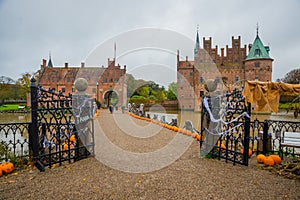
24 84
6 88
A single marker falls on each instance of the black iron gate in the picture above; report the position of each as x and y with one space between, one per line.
225 127
54 137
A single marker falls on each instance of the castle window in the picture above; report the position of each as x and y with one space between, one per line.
256 78
257 52
256 64
237 78
105 80
68 79
201 79
111 80
201 93
191 73
63 89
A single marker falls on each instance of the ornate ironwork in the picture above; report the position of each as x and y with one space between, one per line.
225 127
14 140
58 140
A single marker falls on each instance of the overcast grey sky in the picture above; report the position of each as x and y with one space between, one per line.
71 30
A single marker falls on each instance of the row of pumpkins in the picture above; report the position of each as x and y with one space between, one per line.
268 160
172 128
6 168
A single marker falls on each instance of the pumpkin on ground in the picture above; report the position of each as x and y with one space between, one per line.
222 145
1 172
198 137
276 158
249 152
260 158
7 167
10 167
268 161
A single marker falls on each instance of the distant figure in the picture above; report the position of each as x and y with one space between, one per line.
111 109
123 108
129 107
141 111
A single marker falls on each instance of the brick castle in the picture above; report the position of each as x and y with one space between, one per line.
103 81
227 70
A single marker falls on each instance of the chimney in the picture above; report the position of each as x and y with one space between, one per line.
186 58
82 65
66 65
44 62
249 47
222 52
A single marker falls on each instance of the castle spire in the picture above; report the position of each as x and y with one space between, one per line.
257 29
50 62
197 46
197 38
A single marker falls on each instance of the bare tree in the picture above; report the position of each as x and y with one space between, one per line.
292 77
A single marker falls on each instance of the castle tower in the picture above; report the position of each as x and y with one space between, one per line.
258 63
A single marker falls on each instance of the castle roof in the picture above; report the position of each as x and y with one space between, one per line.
258 50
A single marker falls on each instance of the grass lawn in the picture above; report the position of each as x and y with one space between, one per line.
286 105
9 107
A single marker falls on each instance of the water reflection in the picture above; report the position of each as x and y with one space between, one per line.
18 142
14 117
195 117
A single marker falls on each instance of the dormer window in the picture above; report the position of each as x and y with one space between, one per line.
257 52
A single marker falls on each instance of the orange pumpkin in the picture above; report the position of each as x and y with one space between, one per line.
1 171
9 167
194 135
222 145
66 146
249 152
198 137
268 161
72 138
260 158
176 129
276 158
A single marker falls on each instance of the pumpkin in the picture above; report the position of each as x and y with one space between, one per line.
249 152
188 133
1 171
66 146
276 158
198 137
268 161
222 145
260 158
176 129
72 138
194 135
9 167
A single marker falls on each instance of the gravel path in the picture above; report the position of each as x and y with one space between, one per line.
189 177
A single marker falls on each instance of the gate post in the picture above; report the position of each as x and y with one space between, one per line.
265 137
247 135
34 136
